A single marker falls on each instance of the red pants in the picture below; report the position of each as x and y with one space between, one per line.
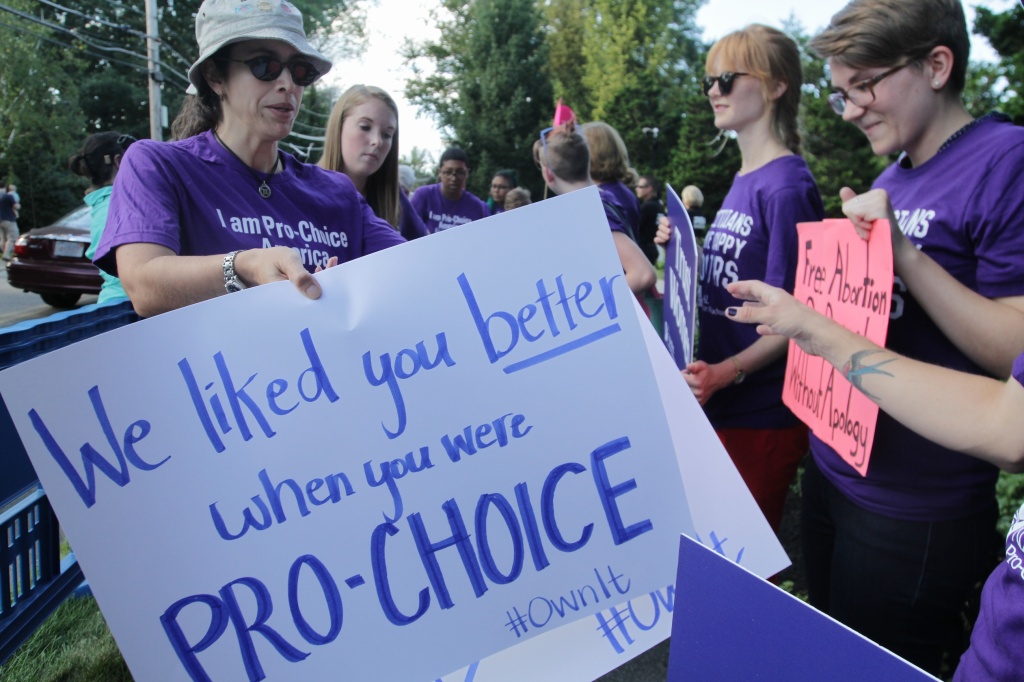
767 459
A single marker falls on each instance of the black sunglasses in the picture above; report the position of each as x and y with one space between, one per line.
724 81
123 141
267 68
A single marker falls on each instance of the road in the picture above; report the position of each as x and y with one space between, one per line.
17 305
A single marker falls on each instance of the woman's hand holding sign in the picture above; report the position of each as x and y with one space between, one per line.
864 209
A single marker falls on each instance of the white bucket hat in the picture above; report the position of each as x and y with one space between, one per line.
223 22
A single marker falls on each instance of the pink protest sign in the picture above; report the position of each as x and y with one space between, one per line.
848 279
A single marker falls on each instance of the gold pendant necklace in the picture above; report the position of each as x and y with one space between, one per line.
264 188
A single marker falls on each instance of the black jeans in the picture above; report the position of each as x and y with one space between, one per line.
907 585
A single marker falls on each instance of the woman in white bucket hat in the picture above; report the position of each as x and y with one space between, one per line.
222 208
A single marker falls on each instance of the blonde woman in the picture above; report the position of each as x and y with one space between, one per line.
362 142
753 86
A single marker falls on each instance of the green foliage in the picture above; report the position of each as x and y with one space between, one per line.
38 92
422 163
71 73
639 45
620 61
566 20
489 87
1010 496
73 645
1005 32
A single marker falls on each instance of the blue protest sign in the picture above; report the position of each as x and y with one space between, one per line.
681 269
729 624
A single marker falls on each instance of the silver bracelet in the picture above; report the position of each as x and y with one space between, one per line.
231 281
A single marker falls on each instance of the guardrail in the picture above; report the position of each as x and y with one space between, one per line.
33 579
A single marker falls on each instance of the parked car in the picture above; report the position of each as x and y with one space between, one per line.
50 261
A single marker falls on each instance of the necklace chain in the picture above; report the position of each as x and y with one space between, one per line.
264 188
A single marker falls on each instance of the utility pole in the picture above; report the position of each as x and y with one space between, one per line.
155 77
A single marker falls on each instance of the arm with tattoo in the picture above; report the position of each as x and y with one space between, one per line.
972 414
854 370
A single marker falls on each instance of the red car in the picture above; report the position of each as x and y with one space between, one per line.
50 261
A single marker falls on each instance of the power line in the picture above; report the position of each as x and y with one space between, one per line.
58 43
316 129
98 20
78 36
123 27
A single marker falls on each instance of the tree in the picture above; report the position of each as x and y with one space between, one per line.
1005 32
422 163
38 120
488 87
564 34
638 55
76 67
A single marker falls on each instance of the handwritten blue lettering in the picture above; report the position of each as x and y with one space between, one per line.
334 483
542 610
239 397
562 310
477 560
406 364
471 440
391 472
224 608
614 624
124 452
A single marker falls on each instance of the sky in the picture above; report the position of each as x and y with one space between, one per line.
381 64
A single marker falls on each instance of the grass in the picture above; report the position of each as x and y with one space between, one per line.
73 645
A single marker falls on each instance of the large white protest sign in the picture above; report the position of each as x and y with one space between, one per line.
456 449
725 518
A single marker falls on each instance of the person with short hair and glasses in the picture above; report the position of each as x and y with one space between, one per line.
448 203
648 190
897 554
223 208
753 84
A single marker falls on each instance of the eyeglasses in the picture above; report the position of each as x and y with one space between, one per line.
457 173
861 93
724 81
124 141
267 68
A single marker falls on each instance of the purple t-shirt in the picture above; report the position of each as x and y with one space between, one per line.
965 208
997 642
614 212
626 198
409 224
195 198
437 213
753 236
